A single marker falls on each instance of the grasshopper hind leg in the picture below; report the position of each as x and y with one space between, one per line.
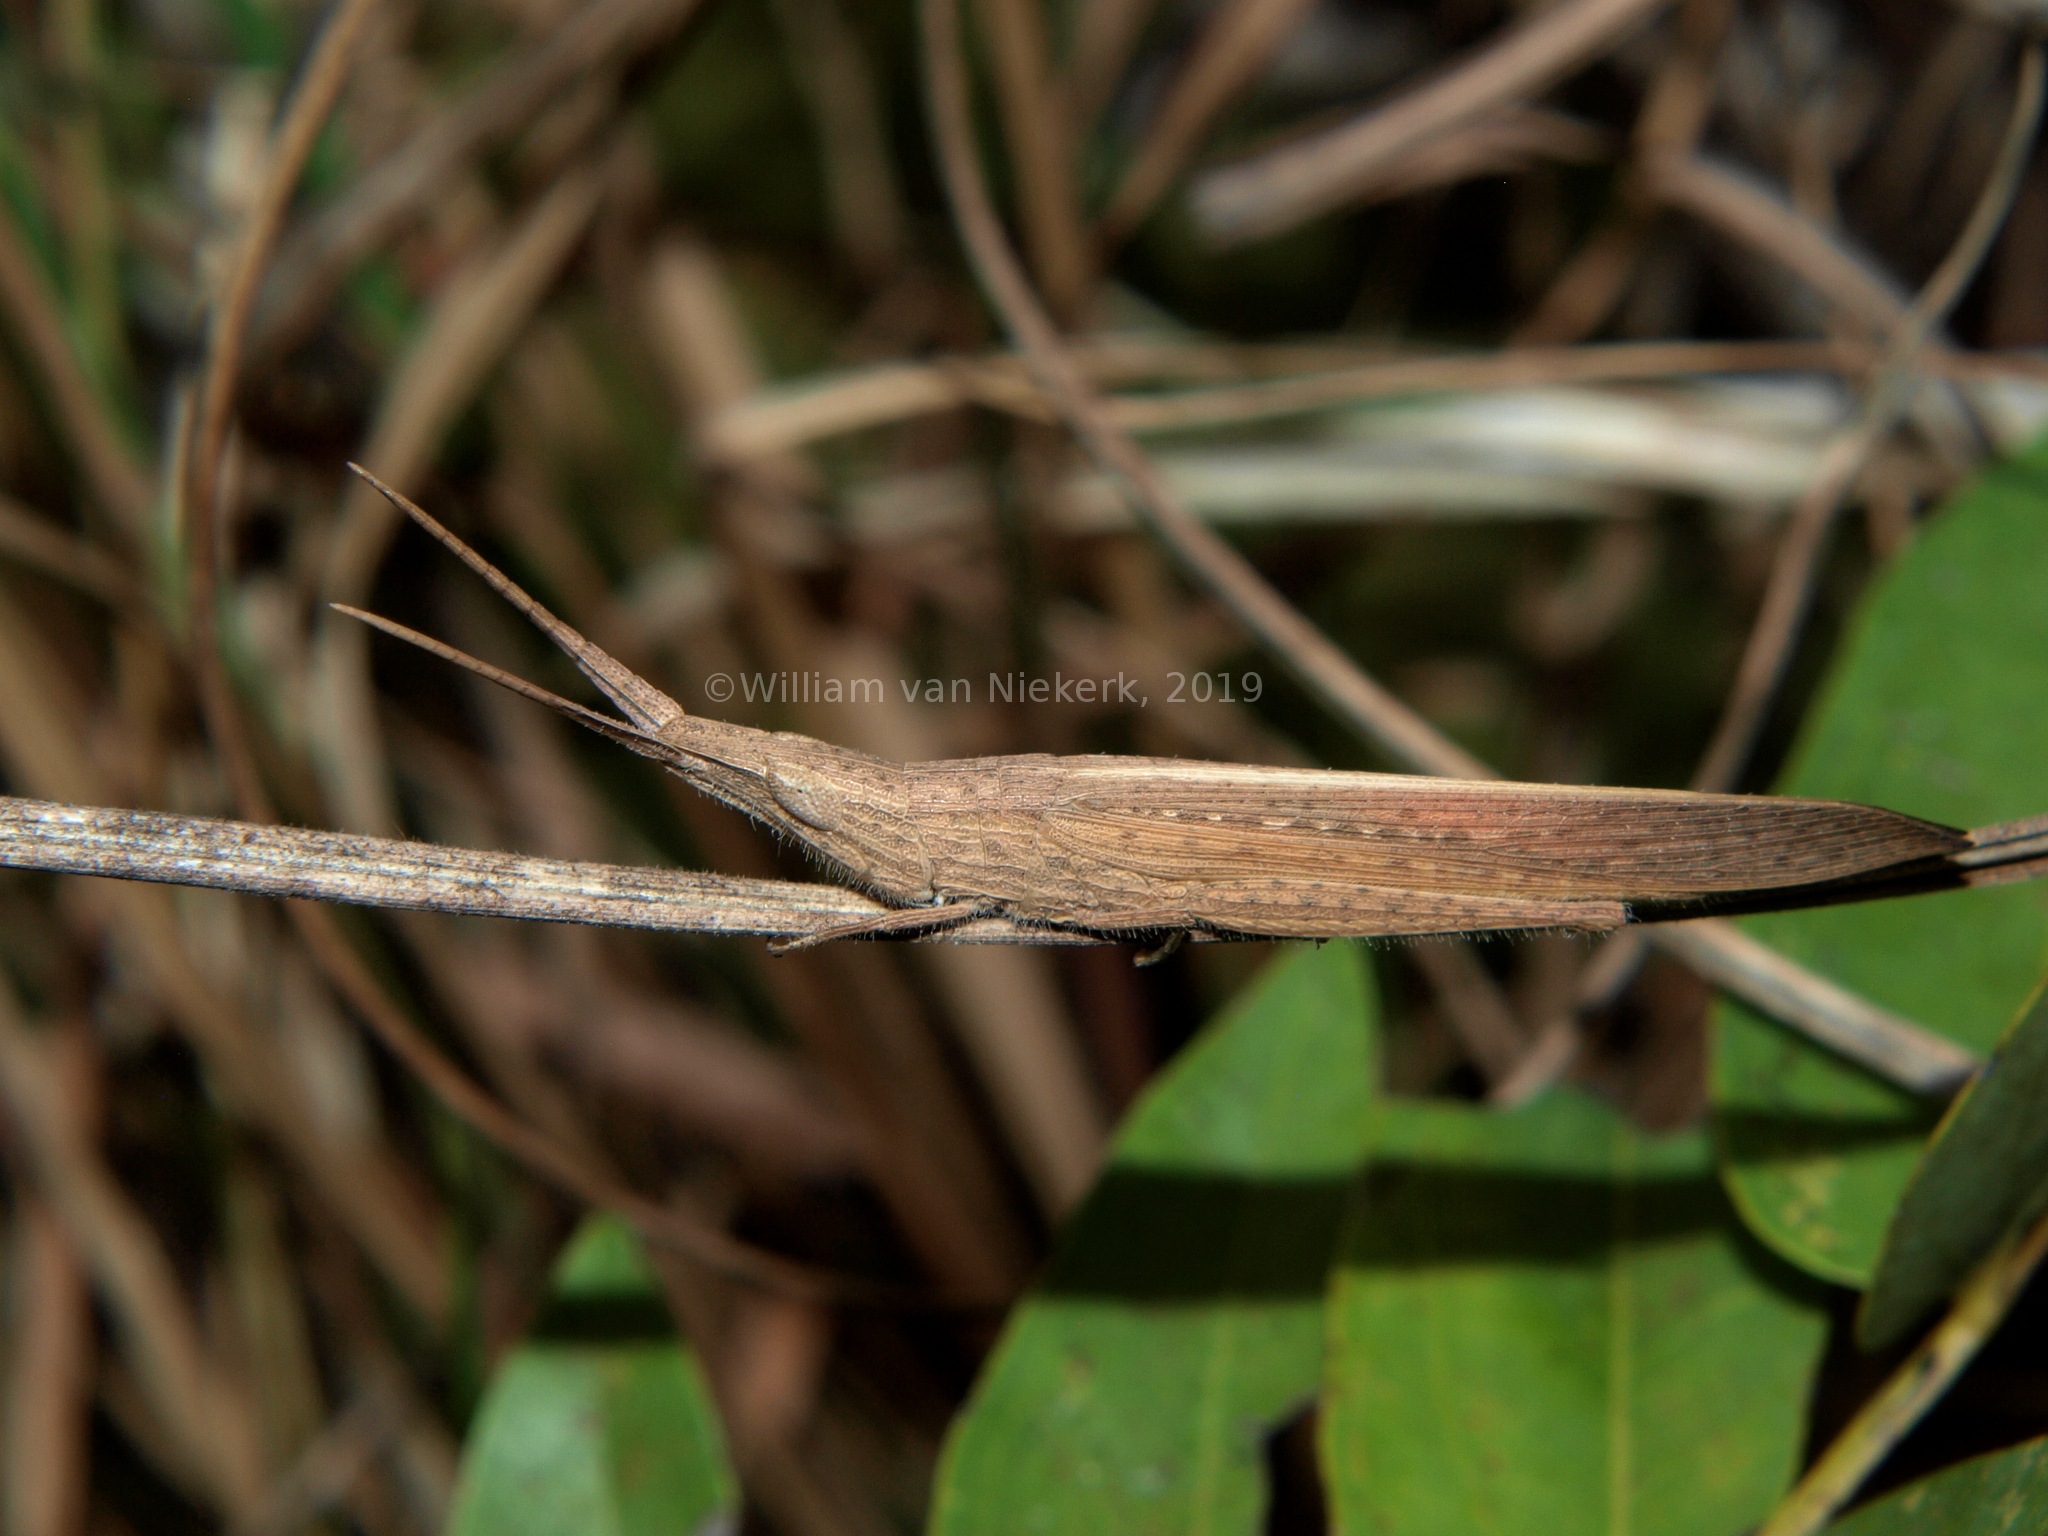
900 921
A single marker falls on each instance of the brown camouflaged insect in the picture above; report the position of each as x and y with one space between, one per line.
1142 846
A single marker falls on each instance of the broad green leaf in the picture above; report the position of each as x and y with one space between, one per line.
1938 706
599 1421
1543 1322
2003 1494
1182 1317
1985 1172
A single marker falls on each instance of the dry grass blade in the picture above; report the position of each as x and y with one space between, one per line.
1505 140
789 416
1741 206
868 217
1674 114
384 872
95 440
1236 44
86 214
314 264
212 1425
1381 716
662 1225
361 1184
227 330
35 542
319 86
1036 129
1769 648
1275 191
1105 35
49 1378
1330 673
1970 49
1895 1048
483 309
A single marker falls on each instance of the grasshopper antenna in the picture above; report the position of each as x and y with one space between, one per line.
626 735
639 700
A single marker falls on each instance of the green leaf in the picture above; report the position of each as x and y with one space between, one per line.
599 1422
1543 1322
2003 1494
1182 1317
1985 1172
1935 707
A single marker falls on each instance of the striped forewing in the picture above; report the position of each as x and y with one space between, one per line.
1223 822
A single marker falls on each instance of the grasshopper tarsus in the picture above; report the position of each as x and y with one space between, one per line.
1164 950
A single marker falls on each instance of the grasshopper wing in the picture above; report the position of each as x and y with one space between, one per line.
1199 823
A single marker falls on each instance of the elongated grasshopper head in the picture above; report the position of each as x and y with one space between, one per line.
848 808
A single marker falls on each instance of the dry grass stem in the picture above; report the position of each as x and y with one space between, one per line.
1235 45
868 216
383 872
1675 112
483 309
1474 1005
227 330
1332 675
1743 207
1896 1049
1106 33
1283 187
314 262
211 1423
1769 648
95 439
1036 129
49 1378
35 542
320 1477
1360 700
788 416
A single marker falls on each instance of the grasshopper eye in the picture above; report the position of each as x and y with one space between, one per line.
809 796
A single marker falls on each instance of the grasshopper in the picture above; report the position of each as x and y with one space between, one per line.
1135 846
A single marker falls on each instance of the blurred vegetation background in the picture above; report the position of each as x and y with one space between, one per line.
660 304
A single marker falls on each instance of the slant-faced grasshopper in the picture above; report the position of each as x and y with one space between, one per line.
1140 846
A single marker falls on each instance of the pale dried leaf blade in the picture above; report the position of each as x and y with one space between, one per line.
646 705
